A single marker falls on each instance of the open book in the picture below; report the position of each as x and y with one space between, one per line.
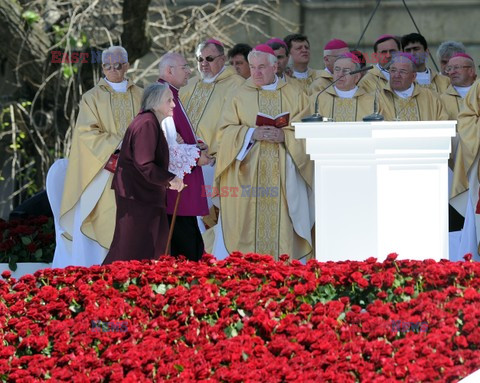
279 121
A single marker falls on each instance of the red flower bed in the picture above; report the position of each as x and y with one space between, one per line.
245 319
27 240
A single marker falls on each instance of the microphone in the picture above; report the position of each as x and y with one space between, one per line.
375 116
317 117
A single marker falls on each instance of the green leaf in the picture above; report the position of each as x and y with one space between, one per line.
178 367
31 17
12 263
244 356
159 289
38 255
26 240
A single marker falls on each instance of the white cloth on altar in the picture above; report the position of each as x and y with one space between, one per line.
85 251
54 184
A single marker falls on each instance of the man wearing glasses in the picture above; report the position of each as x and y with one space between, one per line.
344 101
332 50
403 99
384 48
174 70
203 98
88 204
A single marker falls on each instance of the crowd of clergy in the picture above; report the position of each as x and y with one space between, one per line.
254 191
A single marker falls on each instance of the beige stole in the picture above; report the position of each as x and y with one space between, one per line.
344 109
406 109
268 177
123 110
198 101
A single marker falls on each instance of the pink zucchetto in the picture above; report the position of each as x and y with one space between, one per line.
406 55
335 47
351 56
213 41
385 37
278 41
465 55
335 44
264 48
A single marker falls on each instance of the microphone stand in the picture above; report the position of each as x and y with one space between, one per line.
375 116
317 117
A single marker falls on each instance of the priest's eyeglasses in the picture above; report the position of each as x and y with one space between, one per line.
116 66
209 59
456 67
345 71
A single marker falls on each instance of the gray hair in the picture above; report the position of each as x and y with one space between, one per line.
271 58
169 59
152 95
448 48
357 65
204 44
115 52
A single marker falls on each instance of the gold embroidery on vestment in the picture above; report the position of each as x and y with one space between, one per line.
268 179
198 101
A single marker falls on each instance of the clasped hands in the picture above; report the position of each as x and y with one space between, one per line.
268 133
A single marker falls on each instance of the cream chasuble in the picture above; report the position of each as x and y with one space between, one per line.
103 118
256 205
343 109
203 104
468 155
304 83
468 129
438 82
423 105
373 80
453 103
322 80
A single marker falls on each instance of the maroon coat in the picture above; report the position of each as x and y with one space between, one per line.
142 170
193 201
140 181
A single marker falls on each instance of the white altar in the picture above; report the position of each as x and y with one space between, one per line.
380 187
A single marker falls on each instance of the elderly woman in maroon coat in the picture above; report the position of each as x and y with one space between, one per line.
141 180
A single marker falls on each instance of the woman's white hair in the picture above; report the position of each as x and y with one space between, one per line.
152 95
115 54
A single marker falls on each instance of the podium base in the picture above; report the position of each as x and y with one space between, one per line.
373 117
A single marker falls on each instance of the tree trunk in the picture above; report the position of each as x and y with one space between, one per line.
135 37
25 46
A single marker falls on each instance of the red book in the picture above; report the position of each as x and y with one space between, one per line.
279 121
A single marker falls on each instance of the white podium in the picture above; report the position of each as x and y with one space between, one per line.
380 187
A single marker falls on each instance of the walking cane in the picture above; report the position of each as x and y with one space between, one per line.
172 224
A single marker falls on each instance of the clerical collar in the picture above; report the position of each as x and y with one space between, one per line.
462 90
328 70
300 74
385 72
119 87
423 78
346 93
405 93
272 86
212 79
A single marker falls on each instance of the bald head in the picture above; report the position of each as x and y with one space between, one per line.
173 68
